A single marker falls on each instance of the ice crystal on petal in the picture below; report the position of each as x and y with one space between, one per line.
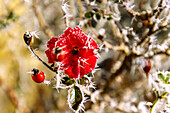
74 51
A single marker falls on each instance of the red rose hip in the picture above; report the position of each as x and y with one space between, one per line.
37 76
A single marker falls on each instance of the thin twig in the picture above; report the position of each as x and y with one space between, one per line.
88 4
44 27
65 19
153 33
159 53
130 11
65 10
32 51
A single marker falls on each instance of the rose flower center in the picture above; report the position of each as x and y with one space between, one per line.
75 50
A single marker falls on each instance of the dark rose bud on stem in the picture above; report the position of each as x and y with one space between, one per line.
27 38
147 67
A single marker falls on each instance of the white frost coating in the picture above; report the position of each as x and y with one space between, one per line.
81 66
92 84
102 31
160 86
47 82
84 60
97 54
101 47
65 8
32 34
79 69
162 47
30 72
93 3
57 41
58 81
142 107
87 41
35 33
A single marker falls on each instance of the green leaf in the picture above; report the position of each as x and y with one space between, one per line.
161 76
75 98
168 75
166 80
67 81
163 94
89 14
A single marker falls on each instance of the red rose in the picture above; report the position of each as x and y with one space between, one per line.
74 51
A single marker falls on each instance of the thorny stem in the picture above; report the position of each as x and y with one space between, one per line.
160 29
154 11
161 52
65 15
147 15
32 51
116 30
153 33
88 4
130 11
65 19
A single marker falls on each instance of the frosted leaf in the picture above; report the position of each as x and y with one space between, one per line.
76 99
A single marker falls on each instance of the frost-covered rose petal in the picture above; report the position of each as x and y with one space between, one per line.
74 51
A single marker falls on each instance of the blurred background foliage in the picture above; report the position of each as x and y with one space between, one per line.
19 94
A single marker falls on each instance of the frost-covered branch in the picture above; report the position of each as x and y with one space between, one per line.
41 21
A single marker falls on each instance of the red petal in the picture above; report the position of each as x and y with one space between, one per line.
51 42
51 56
73 71
92 44
87 65
85 52
69 62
